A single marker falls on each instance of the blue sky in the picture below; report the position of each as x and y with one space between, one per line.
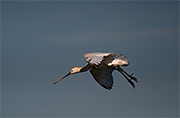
42 41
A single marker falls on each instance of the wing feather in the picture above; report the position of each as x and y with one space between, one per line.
103 76
97 58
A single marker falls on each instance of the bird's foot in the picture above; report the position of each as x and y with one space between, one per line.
131 83
130 76
133 78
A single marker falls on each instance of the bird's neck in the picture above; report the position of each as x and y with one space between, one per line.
85 68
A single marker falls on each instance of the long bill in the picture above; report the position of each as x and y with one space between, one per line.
62 78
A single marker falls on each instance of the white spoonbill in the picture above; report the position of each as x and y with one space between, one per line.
101 66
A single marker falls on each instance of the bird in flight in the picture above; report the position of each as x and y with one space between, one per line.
101 66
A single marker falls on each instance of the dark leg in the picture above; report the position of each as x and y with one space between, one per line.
126 78
130 76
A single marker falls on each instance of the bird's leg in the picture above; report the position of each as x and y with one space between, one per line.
126 77
130 76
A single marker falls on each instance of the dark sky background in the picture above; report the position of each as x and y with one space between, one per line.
42 41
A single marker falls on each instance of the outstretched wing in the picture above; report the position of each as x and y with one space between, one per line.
97 58
103 76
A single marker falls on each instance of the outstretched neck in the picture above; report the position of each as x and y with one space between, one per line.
85 68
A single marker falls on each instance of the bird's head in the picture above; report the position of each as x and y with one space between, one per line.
73 71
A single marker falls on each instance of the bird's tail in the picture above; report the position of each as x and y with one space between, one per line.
121 60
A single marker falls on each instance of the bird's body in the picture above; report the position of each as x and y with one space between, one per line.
101 66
